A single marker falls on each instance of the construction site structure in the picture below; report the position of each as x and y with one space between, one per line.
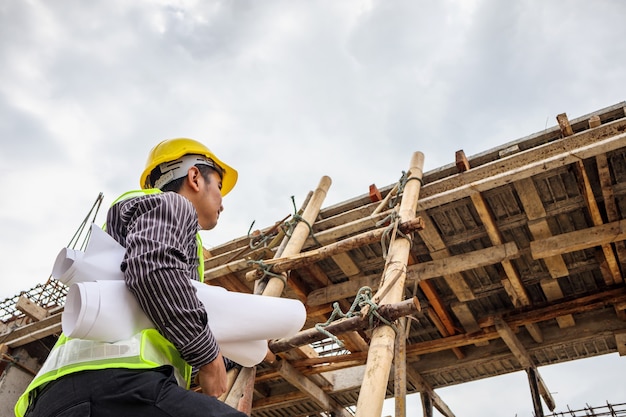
502 262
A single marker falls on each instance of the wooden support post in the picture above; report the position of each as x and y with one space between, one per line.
427 404
275 286
399 369
240 386
564 125
534 391
373 389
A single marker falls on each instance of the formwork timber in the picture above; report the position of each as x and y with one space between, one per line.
501 262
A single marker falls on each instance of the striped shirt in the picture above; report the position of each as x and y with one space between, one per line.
159 234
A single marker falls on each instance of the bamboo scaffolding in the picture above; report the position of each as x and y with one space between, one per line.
275 286
380 354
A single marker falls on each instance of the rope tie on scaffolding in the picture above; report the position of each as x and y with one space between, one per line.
362 300
404 179
257 240
267 271
290 225
390 233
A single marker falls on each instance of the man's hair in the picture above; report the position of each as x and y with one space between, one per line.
177 184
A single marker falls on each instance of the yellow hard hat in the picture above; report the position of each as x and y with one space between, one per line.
171 150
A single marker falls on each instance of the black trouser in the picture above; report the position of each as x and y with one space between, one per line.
125 393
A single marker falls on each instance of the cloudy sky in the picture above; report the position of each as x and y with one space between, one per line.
286 91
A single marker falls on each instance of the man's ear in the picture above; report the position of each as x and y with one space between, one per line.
193 178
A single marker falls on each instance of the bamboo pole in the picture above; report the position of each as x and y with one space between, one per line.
275 286
389 312
380 354
286 263
399 369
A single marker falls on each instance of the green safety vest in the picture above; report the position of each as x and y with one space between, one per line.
146 349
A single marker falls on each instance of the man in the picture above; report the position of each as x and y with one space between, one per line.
183 185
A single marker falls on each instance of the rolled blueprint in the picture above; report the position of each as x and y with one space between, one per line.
100 261
99 307
107 311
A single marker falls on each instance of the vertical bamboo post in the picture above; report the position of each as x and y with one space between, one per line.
399 368
275 286
300 233
380 354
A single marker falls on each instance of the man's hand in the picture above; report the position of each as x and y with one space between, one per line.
212 377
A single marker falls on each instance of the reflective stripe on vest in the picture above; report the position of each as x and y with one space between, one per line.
147 349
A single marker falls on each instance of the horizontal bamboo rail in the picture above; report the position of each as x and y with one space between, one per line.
389 312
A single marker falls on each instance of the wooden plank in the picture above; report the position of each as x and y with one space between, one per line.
552 291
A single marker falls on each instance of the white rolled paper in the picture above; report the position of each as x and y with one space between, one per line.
241 323
101 260
99 307
107 311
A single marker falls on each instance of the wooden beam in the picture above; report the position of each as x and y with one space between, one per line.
423 386
439 250
32 310
520 353
467 320
463 262
419 272
461 161
564 125
525 164
519 296
612 274
610 205
535 390
579 240
295 378
32 332
539 229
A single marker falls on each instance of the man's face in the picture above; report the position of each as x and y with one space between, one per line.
210 201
